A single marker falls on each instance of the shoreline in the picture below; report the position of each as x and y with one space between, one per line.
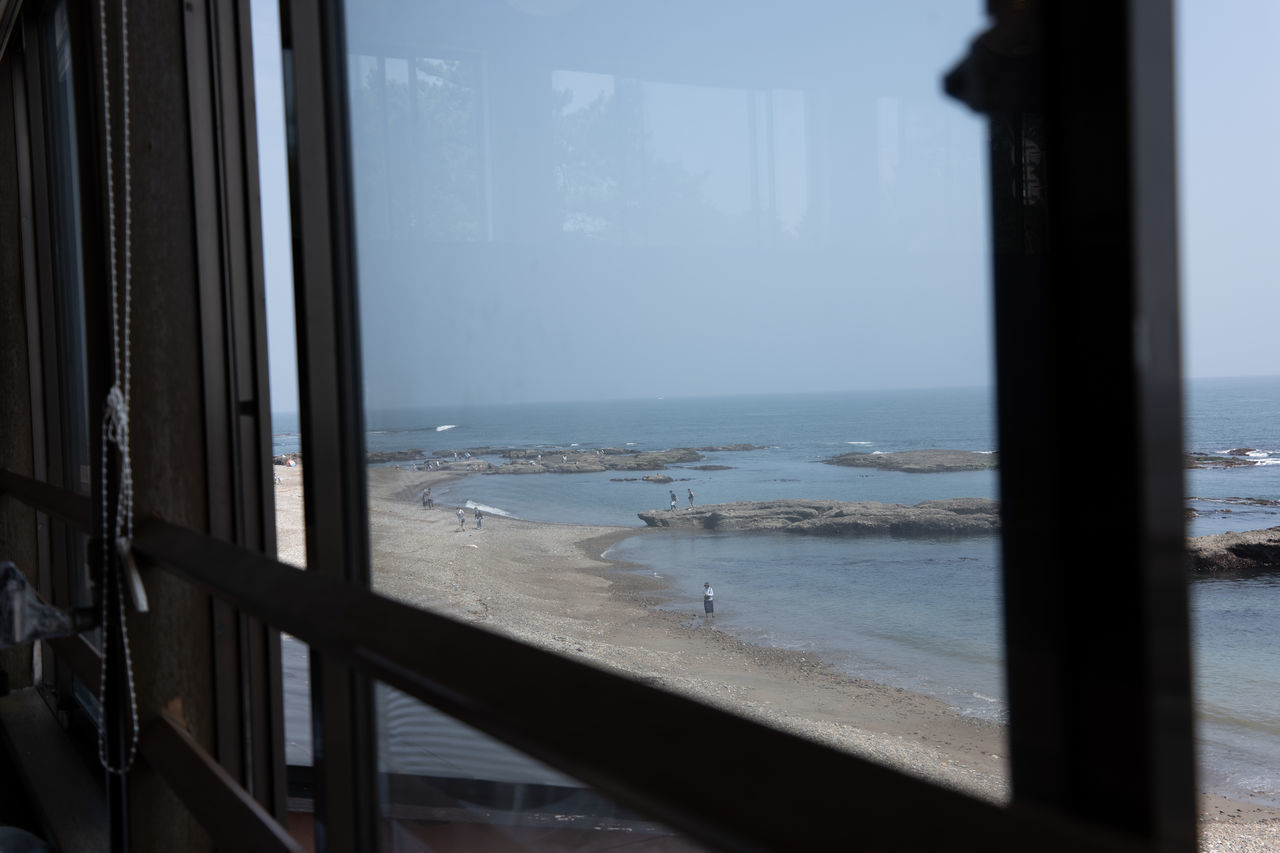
550 585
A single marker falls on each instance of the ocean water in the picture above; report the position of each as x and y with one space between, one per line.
917 614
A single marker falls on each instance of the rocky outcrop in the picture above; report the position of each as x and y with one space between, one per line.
575 461
652 460
1251 552
377 457
1238 458
920 461
956 517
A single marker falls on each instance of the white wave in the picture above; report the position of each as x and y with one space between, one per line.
631 444
877 453
445 427
1257 454
860 443
488 510
575 444
985 452
1267 462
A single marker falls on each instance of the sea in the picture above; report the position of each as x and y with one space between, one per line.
917 614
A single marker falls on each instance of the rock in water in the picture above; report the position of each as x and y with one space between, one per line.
1250 552
920 461
957 517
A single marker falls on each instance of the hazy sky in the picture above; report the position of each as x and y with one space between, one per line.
571 218
1229 179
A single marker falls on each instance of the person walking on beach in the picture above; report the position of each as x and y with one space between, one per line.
708 600
691 499
479 518
673 501
462 519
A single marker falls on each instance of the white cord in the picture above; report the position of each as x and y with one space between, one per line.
115 417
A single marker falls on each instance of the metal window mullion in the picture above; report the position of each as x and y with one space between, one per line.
217 345
40 293
31 290
1086 310
1153 164
331 406
249 718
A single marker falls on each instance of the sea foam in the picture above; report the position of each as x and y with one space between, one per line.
488 510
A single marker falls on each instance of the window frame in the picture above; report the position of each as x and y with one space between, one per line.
64 547
331 606
1149 784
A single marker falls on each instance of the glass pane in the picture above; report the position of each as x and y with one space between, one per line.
69 370
1226 62
446 786
66 375
282 363
65 418
630 274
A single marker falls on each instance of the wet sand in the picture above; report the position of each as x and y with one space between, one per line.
546 584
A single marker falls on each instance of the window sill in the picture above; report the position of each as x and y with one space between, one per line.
69 800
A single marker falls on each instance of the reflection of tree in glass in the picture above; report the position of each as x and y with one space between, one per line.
420 166
611 186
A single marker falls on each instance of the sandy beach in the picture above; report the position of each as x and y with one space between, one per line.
548 585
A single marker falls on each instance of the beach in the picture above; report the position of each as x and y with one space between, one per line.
547 585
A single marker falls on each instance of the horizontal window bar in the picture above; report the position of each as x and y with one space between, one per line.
233 819
761 789
72 507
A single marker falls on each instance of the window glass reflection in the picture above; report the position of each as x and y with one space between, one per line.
416 125
444 785
630 267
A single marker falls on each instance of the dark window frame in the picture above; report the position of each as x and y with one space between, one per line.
65 550
1052 777
1147 788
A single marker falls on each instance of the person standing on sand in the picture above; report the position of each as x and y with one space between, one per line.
691 499
708 601
673 501
479 518
462 519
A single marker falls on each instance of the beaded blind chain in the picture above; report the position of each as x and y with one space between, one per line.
115 418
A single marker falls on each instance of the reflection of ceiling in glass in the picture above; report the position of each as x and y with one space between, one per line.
698 178
617 123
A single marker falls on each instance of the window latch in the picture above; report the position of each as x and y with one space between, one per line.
24 618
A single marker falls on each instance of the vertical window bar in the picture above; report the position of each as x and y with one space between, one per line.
1086 338
1152 159
250 741
330 403
28 148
